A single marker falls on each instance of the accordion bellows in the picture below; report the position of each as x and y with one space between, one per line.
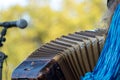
66 58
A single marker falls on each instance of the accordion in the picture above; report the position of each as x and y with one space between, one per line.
66 58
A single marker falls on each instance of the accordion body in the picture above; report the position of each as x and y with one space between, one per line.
66 58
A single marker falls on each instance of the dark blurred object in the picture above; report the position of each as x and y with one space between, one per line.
110 2
2 58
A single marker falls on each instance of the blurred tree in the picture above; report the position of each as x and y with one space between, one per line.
46 24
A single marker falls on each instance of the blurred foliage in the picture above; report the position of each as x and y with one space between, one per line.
46 24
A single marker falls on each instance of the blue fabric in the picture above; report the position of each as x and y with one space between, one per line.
108 66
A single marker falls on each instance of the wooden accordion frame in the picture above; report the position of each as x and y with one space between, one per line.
66 58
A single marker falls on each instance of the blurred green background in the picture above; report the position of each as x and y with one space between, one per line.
48 19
